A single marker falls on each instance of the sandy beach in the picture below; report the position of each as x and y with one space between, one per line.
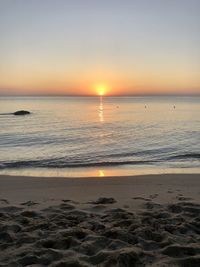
150 220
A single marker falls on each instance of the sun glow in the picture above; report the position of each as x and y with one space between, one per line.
101 173
101 89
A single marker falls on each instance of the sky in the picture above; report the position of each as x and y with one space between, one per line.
82 47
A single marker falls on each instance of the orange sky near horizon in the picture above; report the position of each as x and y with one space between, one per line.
44 83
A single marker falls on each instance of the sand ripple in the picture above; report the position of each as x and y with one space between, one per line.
100 234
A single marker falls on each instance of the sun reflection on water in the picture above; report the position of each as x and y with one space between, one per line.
101 173
101 115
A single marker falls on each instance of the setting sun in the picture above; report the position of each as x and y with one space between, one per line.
101 89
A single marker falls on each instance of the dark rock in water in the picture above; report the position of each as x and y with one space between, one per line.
21 112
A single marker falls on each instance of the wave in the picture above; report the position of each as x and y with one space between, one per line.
185 156
4 114
47 164
78 162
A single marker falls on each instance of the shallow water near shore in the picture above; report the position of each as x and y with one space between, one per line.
93 136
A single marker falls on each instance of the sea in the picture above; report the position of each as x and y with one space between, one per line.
100 136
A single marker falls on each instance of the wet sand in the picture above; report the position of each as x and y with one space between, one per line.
151 220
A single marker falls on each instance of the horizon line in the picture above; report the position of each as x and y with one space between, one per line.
92 95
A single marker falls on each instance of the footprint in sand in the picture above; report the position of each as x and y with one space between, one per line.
153 196
29 203
182 198
4 201
59 236
103 200
69 200
142 198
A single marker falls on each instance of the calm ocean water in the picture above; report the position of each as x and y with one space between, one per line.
79 136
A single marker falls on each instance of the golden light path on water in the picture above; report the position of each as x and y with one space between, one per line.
101 173
101 115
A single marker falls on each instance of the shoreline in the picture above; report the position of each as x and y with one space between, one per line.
103 177
91 172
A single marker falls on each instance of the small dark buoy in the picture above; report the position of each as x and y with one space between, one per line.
21 112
